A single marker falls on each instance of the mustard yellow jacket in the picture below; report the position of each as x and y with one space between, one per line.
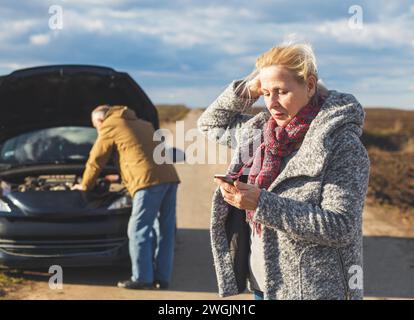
130 141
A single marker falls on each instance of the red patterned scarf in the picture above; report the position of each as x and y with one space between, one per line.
278 142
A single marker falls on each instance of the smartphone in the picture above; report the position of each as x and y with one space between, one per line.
225 178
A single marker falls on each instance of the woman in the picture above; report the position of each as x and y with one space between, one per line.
306 181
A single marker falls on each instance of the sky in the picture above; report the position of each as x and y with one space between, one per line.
187 52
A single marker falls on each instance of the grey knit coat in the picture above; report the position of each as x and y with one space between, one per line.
311 215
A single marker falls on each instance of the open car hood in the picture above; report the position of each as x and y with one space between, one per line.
65 95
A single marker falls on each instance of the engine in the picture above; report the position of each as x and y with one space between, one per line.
58 183
48 183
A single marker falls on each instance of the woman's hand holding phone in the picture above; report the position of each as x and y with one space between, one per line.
225 178
238 194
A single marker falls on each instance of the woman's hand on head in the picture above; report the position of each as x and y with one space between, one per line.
255 88
241 195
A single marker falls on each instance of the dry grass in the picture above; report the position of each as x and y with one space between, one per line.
391 120
171 112
8 282
389 129
392 178
389 138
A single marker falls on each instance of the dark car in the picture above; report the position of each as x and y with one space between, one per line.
45 139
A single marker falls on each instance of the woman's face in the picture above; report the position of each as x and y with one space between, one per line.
284 96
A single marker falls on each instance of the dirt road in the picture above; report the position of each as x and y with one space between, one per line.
388 251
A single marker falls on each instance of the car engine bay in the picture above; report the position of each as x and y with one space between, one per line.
56 182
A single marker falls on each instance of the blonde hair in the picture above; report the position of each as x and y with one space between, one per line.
298 58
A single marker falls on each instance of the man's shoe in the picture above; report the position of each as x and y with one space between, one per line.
160 285
129 284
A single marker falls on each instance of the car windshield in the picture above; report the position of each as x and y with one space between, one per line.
52 145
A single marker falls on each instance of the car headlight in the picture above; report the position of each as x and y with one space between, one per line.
4 207
121 203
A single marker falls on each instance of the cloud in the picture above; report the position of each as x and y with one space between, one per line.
187 51
10 29
40 39
185 29
373 35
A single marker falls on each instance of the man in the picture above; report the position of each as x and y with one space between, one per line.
153 188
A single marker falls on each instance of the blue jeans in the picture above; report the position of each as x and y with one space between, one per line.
152 254
258 295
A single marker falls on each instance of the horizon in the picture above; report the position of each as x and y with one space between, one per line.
383 108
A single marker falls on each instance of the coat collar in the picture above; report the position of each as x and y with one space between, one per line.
310 158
